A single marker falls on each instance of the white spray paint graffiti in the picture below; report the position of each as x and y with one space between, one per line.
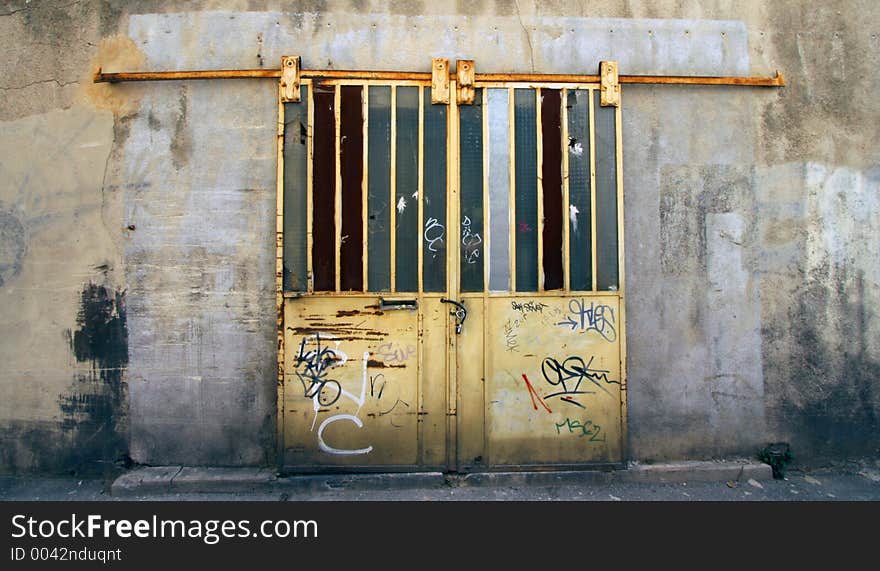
350 417
401 205
312 368
434 232
573 217
470 242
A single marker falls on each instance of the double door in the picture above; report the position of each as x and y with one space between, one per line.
452 279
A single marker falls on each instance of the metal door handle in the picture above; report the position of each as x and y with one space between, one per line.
460 313
398 303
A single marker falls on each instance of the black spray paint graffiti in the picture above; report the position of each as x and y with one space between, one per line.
434 234
312 367
470 242
528 306
378 384
598 318
568 376
581 428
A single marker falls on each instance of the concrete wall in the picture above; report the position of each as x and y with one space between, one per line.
136 248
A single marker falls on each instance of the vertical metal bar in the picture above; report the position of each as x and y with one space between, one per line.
621 314
539 149
421 191
487 256
511 118
365 181
619 150
566 223
452 265
392 203
310 122
594 247
279 282
420 385
337 117
420 363
487 260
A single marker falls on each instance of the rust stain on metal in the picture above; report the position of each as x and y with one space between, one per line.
440 81
610 90
465 93
316 75
290 79
374 364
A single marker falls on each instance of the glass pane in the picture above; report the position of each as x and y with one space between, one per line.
499 190
407 190
551 187
351 264
526 161
324 190
295 193
606 196
471 121
434 210
379 189
580 231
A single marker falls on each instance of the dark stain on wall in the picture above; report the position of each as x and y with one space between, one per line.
406 7
95 410
181 142
826 388
12 245
505 7
92 435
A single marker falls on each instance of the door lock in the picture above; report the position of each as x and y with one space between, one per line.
460 313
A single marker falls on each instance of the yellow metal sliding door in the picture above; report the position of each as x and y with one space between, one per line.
365 342
452 278
540 367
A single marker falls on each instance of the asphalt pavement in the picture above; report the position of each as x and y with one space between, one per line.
727 481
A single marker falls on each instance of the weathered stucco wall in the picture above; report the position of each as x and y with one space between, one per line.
136 221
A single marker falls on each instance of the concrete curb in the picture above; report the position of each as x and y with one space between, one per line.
158 480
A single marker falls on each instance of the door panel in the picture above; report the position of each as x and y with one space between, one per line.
553 390
357 390
540 375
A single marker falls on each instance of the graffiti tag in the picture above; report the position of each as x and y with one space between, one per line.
434 234
598 318
581 428
567 378
528 306
510 335
470 242
313 367
395 353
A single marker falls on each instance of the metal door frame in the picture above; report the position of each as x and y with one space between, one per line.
454 396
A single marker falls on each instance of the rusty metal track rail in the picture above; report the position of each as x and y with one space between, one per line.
117 77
